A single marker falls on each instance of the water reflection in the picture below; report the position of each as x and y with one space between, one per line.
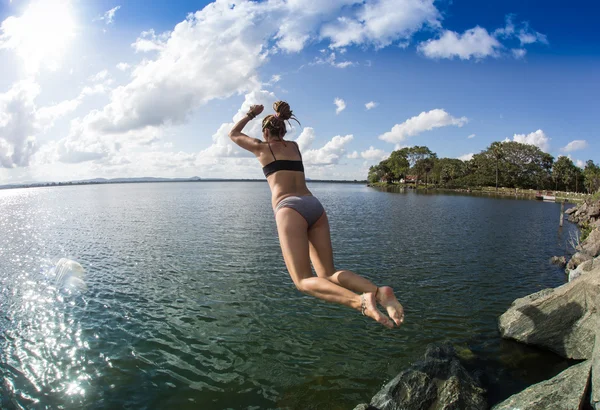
44 349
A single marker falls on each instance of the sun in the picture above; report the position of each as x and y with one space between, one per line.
42 35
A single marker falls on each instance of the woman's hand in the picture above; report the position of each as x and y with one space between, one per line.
256 109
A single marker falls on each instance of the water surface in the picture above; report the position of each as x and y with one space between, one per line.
186 303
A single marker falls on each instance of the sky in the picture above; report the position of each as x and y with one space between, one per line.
108 89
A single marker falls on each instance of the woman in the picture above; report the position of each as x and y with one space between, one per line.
302 223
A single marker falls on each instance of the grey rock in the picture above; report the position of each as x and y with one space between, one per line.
584 267
362 406
566 391
562 320
571 210
593 210
577 259
559 260
595 379
437 382
591 245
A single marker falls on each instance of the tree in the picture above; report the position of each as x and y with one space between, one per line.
423 166
560 170
591 175
415 155
496 149
398 164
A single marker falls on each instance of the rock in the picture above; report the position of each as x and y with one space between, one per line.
437 382
595 379
566 391
593 210
577 259
591 245
559 260
581 269
571 210
562 320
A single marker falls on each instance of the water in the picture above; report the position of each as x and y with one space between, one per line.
181 298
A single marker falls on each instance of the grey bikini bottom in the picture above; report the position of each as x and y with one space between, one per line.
308 206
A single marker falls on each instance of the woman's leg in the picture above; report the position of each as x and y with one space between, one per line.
321 255
293 237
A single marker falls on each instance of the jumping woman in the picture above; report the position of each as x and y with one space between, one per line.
302 223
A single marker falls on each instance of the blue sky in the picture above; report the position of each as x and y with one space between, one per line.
137 88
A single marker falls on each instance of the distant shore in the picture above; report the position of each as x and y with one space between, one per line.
145 180
519 193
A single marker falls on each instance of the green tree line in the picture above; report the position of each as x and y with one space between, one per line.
507 164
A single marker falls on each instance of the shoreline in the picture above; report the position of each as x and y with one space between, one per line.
571 197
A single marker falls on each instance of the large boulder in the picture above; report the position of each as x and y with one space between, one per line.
594 211
437 382
591 245
577 260
562 320
566 391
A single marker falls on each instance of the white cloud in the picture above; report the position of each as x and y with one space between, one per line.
216 53
373 154
149 41
109 16
528 36
466 157
21 120
371 105
18 124
329 154
381 23
519 53
331 60
575 145
425 121
41 35
476 42
340 104
100 76
537 138
306 138
353 155
471 136
123 66
580 163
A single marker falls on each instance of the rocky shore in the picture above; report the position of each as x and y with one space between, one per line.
564 320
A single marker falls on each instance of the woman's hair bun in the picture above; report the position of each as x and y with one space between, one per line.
276 123
283 110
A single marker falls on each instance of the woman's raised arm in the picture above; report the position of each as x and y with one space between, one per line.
241 139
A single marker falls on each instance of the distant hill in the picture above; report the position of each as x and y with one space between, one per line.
146 180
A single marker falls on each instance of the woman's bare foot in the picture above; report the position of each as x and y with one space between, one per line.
370 309
387 299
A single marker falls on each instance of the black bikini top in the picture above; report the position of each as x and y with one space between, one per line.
283 164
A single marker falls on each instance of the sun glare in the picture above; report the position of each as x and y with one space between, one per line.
43 33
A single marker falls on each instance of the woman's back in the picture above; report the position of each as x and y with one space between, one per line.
283 182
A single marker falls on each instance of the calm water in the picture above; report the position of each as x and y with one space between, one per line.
185 301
